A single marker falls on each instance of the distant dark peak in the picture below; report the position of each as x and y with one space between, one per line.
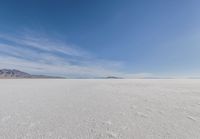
113 77
8 73
13 73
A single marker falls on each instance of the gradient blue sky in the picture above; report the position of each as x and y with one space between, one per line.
92 38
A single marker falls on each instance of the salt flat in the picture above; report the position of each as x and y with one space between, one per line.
100 109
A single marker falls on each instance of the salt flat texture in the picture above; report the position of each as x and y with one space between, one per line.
99 109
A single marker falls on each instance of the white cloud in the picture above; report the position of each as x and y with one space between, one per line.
45 56
42 55
44 43
62 69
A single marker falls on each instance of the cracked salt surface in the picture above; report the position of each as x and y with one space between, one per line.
100 109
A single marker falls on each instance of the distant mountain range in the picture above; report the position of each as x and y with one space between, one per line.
15 74
113 77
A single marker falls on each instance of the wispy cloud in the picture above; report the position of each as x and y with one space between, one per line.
42 55
43 43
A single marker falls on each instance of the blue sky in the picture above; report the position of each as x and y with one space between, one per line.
95 38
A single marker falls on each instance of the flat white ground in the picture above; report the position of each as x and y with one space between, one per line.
92 109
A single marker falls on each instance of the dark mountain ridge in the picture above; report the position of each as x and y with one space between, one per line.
14 74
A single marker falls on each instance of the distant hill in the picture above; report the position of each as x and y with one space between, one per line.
14 74
113 77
